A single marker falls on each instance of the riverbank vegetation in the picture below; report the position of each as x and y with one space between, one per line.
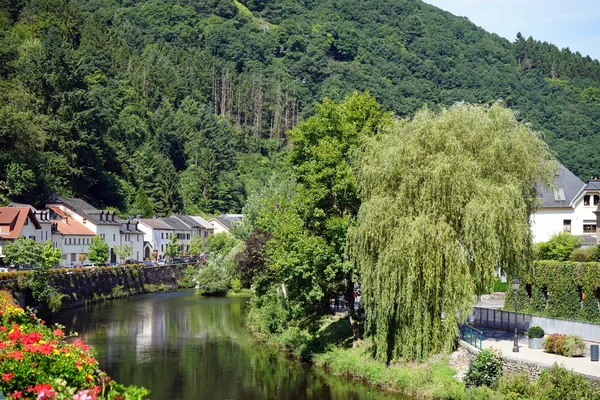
64 369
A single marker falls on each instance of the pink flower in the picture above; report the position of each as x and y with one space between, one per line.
58 333
8 377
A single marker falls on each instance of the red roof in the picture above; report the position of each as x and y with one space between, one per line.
72 228
14 218
58 212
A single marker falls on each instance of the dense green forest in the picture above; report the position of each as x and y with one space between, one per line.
187 103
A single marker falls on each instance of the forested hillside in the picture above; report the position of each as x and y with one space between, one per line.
187 102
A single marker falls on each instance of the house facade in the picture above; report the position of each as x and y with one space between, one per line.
157 234
131 235
225 222
18 222
568 206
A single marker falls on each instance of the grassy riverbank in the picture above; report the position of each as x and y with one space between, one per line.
332 351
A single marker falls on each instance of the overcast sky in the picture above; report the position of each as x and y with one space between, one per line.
574 24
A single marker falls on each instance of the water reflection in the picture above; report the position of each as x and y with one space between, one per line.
182 346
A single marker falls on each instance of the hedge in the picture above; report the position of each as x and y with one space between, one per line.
560 289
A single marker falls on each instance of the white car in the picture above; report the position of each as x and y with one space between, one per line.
3 269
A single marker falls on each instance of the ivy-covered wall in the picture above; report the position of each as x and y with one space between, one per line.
84 285
566 290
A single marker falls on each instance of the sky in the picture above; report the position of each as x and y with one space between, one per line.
574 24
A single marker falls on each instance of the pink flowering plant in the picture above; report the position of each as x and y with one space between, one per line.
37 363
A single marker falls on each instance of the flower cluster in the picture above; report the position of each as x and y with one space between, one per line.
33 358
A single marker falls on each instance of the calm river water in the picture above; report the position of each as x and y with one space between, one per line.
182 346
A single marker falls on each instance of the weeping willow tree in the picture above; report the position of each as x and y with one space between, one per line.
446 201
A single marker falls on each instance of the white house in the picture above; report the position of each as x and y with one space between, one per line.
157 234
569 206
100 222
134 237
206 229
225 222
181 231
17 222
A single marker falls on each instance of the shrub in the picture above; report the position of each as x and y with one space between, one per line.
515 386
214 278
587 254
573 345
500 286
535 332
236 285
484 369
559 247
554 343
560 384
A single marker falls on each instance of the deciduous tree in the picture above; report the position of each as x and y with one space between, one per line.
446 201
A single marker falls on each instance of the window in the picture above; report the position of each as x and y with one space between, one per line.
84 220
596 199
567 225
586 200
114 237
73 257
589 228
138 236
188 236
162 235
78 240
162 248
26 221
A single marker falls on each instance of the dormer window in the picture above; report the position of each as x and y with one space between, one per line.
589 200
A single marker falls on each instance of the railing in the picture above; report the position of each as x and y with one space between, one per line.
471 335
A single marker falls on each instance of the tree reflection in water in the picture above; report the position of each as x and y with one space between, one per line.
182 346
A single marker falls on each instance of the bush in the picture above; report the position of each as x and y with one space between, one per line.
560 384
564 345
573 346
484 369
214 278
516 386
236 285
554 343
559 247
535 332
581 254
500 286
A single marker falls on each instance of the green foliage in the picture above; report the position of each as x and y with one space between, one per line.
50 256
587 254
196 245
559 247
484 369
123 251
141 205
236 285
426 217
215 277
22 251
499 286
560 384
172 248
535 332
566 290
220 243
98 251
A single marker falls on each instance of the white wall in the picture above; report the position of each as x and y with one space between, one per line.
156 237
136 241
73 244
549 221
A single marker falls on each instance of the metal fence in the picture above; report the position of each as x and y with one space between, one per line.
471 335
506 320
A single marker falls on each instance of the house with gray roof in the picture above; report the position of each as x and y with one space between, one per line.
182 232
568 205
157 234
225 222
198 225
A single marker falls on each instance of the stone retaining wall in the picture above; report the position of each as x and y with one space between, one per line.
88 285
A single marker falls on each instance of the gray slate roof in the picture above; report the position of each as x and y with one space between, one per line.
567 187
175 224
155 223
131 229
87 210
204 223
188 221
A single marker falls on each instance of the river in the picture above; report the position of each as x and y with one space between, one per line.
183 346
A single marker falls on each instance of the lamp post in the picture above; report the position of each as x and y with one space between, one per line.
515 284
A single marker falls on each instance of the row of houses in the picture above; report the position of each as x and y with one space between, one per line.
71 224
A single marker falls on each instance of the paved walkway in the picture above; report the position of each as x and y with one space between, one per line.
503 340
